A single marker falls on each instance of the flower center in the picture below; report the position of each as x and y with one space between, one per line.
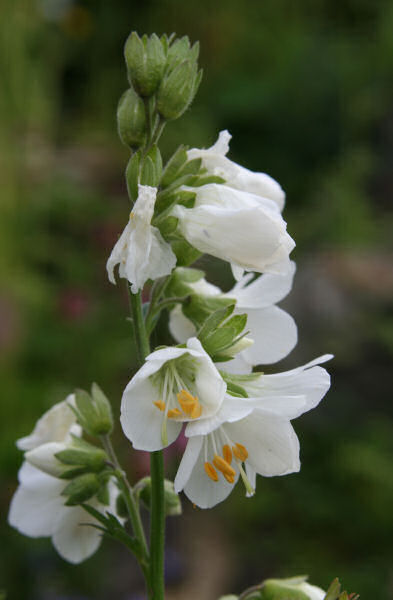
177 402
222 461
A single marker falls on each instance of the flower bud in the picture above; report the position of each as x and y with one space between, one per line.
131 120
82 457
145 59
94 412
295 588
177 89
172 500
43 457
81 489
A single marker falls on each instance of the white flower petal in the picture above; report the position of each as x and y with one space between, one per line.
200 489
43 457
220 217
141 420
232 409
180 327
189 458
75 539
53 426
266 290
237 365
141 251
236 176
272 445
312 382
274 333
35 506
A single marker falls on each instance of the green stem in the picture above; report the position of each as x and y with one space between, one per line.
157 504
157 526
132 507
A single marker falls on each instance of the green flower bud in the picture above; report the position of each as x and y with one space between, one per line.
177 89
146 61
295 588
94 412
131 120
172 500
81 489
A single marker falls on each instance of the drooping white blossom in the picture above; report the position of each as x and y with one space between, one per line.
239 227
141 252
250 436
174 386
272 330
215 161
37 508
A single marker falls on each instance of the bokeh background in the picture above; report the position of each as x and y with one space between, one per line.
306 90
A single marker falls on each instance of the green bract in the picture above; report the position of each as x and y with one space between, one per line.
93 411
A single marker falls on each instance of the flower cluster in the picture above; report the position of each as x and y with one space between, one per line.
236 418
39 507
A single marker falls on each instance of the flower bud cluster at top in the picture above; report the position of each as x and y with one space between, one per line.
164 78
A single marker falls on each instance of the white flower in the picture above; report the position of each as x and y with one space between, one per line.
236 226
141 252
250 435
37 508
272 330
175 385
238 177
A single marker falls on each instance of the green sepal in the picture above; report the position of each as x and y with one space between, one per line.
192 167
180 281
229 597
121 506
236 390
185 253
81 489
207 312
132 176
83 455
177 52
93 412
168 226
199 180
173 166
151 168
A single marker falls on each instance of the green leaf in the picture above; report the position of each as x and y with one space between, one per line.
334 590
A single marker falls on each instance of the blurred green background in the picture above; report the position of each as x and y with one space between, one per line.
306 90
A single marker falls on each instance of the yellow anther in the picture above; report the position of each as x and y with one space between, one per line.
132 215
160 404
240 452
186 401
223 466
229 478
210 471
173 413
227 453
196 410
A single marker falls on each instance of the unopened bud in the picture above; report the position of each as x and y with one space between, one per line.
295 588
177 89
81 489
43 457
172 500
145 60
82 457
94 412
131 120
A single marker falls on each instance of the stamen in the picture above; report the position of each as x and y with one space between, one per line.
227 453
240 452
188 403
196 410
250 490
210 471
132 215
223 466
160 404
173 413
229 478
